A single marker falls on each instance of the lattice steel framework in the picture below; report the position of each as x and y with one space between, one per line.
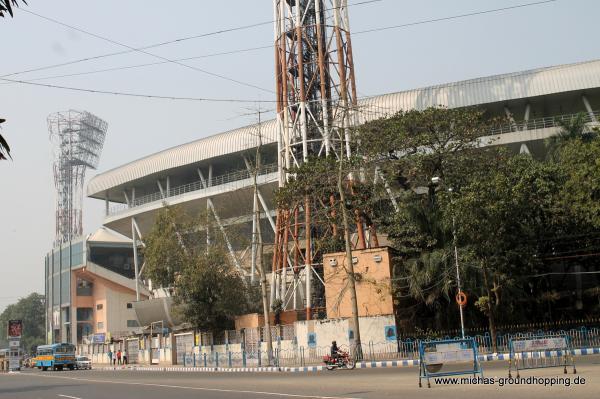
77 139
316 99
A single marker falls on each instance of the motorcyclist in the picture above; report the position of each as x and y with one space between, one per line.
334 351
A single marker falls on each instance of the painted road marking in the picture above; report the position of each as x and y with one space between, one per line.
287 395
70 397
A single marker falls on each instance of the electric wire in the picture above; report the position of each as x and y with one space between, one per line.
216 75
141 95
178 40
30 82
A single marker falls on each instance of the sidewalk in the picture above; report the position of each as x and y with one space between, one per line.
359 365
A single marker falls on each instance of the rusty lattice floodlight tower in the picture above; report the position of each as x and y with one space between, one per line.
316 96
77 138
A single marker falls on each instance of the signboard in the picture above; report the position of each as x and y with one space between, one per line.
312 340
434 354
463 355
98 338
15 328
14 360
390 333
539 344
14 343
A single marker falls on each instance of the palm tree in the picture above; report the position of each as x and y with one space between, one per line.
570 129
4 148
7 5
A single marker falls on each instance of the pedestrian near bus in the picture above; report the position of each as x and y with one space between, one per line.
125 356
119 354
110 357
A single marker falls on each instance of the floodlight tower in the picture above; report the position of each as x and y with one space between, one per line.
77 138
316 101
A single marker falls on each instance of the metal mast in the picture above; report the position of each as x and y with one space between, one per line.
77 138
316 96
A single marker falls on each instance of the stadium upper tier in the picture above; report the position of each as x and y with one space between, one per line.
533 100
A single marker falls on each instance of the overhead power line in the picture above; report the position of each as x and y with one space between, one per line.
146 52
165 60
150 46
471 14
141 95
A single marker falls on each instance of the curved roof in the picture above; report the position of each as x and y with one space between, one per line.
497 88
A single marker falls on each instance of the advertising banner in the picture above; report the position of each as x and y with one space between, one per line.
15 328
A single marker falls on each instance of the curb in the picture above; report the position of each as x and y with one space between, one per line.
359 365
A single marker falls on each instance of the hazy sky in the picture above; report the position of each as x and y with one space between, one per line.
543 35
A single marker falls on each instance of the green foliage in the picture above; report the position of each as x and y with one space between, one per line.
206 285
579 162
31 310
168 249
316 180
509 214
211 291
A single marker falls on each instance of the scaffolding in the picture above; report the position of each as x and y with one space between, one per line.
77 139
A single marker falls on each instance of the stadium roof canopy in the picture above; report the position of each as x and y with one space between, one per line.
486 90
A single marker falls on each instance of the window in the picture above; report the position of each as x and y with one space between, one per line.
85 314
132 323
84 287
99 306
100 325
129 305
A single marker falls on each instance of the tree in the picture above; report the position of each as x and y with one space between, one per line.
257 241
31 311
206 286
168 250
502 218
411 148
211 291
338 200
579 161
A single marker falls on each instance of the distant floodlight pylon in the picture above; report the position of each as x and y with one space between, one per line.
77 139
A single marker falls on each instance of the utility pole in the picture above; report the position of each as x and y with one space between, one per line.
257 241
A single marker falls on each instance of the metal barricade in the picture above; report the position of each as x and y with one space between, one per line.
541 351
448 357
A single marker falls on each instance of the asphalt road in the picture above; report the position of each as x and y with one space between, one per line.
366 383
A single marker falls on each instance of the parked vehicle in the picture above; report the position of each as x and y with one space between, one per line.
83 363
55 356
343 360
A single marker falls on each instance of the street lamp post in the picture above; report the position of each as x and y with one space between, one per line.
436 181
460 307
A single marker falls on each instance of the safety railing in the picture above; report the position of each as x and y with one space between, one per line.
220 180
543 123
288 354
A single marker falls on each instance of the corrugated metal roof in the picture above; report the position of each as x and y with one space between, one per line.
497 88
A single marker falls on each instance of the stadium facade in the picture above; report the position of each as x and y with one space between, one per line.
213 174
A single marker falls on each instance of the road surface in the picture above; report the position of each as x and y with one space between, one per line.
365 383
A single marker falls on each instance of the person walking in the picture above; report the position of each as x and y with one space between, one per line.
110 357
119 357
125 356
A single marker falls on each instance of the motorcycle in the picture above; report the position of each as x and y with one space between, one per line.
342 361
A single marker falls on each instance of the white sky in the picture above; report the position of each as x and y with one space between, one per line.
394 60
